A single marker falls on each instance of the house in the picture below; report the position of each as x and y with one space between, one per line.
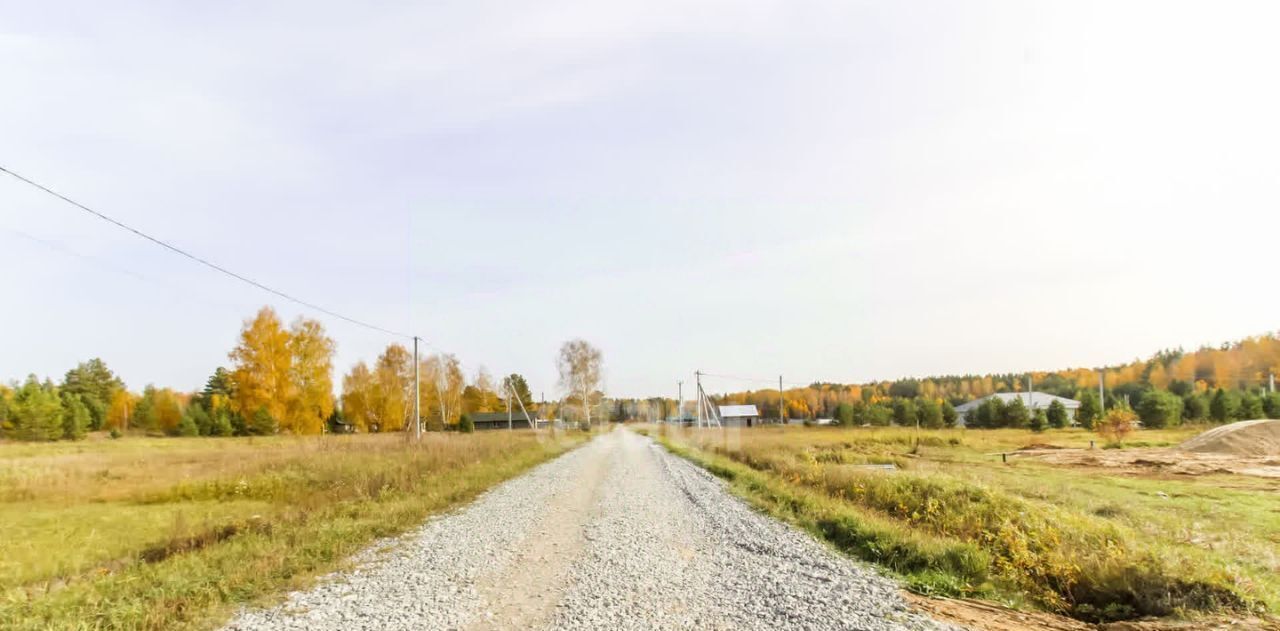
499 420
1033 400
739 415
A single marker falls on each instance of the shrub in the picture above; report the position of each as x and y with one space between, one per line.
904 412
844 414
1039 421
1117 425
1160 409
466 425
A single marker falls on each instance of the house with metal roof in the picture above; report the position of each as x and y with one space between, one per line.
1033 400
739 415
499 420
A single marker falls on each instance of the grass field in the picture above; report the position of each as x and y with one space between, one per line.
165 533
953 519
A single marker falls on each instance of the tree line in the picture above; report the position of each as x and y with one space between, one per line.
280 381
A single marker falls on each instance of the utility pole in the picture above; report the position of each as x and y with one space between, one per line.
510 424
782 404
697 375
680 405
1102 392
417 394
1273 383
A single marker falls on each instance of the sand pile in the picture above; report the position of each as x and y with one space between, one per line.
1245 438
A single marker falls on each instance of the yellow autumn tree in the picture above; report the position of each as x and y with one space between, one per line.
120 409
263 363
393 382
311 378
357 397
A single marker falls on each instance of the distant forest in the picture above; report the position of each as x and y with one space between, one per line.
1223 384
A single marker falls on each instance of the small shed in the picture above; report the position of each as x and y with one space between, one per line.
739 415
499 420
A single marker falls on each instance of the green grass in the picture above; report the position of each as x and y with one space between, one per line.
174 533
955 520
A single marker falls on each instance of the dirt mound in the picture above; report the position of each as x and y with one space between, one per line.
1246 438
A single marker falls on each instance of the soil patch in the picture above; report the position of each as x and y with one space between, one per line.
1246 438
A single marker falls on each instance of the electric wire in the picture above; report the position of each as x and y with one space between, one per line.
207 263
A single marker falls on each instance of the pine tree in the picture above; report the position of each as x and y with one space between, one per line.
36 411
1057 414
1090 409
75 417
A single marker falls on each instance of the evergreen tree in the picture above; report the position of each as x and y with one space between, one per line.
465 424
95 384
1195 407
1251 407
904 412
1016 414
1271 405
1057 414
949 415
187 426
1090 409
1224 406
36 411
261 423
844 414
929 413
75 417
1039 420
1160 409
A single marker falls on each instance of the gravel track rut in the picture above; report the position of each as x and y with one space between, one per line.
617 534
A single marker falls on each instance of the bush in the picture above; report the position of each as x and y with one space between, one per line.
1117 425
1160 409
1039 421
877 415
115 433
466 425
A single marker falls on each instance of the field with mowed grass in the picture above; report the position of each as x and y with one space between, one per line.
165 533
952 518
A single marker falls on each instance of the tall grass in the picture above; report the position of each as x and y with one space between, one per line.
173 533
950 531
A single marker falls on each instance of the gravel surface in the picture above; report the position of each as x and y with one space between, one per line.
617 534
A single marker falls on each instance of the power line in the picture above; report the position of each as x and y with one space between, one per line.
214 266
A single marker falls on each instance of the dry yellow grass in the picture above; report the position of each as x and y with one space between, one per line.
954 519
168 533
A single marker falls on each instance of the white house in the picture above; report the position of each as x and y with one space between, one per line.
739 415
1033 400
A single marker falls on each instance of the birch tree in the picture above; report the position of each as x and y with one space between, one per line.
580 366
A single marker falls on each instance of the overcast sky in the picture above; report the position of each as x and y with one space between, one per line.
843 191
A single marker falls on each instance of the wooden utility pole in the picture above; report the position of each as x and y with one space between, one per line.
782 404
417 393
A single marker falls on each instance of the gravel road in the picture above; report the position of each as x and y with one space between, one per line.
617 534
